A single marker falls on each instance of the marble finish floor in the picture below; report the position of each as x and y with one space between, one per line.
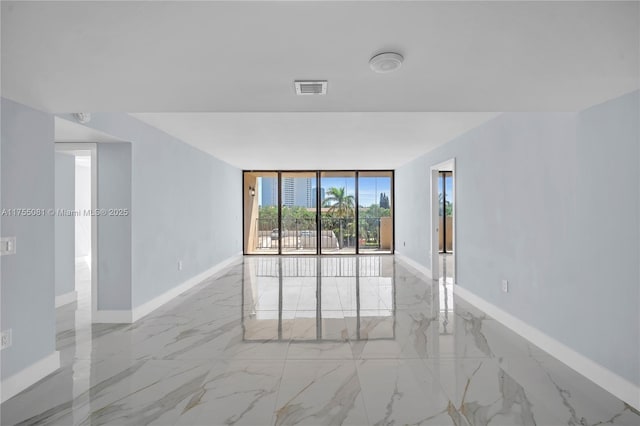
310 340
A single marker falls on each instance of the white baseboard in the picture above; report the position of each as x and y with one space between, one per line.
605 378
66 298
15 384
156 302
415 265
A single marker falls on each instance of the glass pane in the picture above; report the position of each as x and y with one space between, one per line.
445 211
298 213
375 211
448 210
337 194
440 212
260 212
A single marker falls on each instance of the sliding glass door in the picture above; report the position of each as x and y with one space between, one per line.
261 212
338 212
311 212
298 207
375 206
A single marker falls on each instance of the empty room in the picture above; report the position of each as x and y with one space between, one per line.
320 213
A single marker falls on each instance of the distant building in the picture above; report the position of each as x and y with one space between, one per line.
295 192
303 193
269 191
288 191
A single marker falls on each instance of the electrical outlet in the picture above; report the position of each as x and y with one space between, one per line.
179 265
505 286
5 339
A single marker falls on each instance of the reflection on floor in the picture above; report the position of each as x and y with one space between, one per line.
74 319
351 299
446 267
309 340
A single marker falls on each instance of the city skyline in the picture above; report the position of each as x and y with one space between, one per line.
301 191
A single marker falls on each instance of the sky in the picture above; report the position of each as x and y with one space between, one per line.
370 188
449 188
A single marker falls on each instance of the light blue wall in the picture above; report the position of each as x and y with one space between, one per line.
27 282
65 257
114 230
186 205
549 201
605 272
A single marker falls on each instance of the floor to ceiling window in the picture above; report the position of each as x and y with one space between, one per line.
311 212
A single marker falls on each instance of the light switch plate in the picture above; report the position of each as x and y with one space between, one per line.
505 286
7 245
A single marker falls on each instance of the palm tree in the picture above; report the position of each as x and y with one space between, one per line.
340 205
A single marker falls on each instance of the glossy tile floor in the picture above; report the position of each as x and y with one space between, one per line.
365 341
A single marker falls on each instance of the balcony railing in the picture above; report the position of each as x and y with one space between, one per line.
337 233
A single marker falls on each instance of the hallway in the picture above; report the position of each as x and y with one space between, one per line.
310 340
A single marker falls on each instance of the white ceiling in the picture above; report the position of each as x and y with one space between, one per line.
242 57
263 141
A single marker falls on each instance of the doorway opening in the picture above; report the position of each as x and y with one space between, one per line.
76 229
76 253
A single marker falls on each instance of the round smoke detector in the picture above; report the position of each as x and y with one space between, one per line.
386 62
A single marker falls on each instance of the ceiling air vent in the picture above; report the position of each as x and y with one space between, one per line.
311 87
